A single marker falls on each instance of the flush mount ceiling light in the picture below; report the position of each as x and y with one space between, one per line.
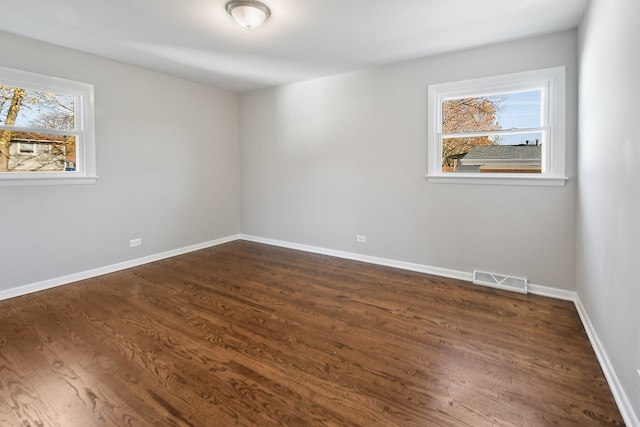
248 13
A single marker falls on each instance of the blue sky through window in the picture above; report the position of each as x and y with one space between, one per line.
520 110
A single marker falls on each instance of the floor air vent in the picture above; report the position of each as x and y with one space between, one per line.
500 281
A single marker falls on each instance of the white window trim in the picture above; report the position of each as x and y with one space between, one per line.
554 163
85 129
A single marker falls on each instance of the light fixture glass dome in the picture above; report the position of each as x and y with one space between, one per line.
248 13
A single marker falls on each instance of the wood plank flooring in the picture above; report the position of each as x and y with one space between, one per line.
252 335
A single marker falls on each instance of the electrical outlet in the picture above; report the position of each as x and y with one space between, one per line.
135 242
361 239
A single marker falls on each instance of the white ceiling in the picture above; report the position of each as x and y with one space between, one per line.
303 39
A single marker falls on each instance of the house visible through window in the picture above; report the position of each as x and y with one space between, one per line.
46 129
505 128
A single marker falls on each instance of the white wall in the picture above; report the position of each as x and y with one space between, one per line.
168 161
327 159
609 187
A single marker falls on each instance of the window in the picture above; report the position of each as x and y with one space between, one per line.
46 130
26 148
499 130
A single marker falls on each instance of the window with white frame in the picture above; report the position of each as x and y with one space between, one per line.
507 129
46 130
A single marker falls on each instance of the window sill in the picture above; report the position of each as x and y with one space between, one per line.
495 179
18 181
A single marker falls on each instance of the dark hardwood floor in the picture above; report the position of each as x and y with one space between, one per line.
254 335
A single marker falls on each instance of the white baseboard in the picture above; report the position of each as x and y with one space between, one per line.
621 398
624 405
420 268
555 293
64 280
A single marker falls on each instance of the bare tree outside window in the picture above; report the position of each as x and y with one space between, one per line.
468 115
40 119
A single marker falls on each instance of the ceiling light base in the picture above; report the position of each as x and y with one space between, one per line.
248 13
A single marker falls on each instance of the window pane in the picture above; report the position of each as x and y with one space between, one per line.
487 155
514 110
500 153
40 152
30 108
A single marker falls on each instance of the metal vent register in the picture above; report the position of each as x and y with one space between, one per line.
500 281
